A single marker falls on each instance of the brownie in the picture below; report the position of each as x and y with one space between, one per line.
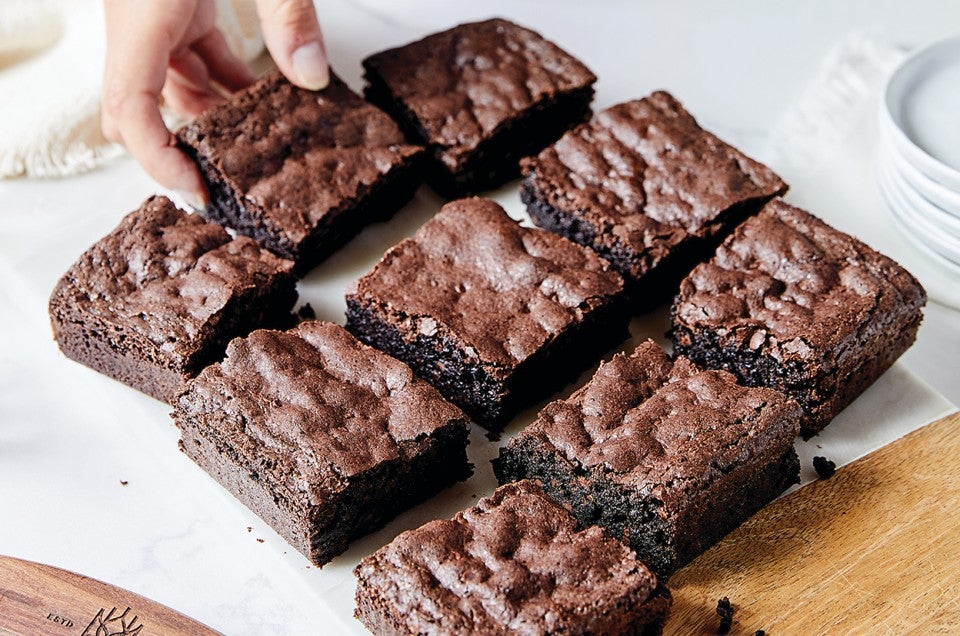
648 189
664 455
480 96
301 171
157 299
495 315
323 437
791 303
513 564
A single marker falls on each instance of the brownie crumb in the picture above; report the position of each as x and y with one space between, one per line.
249 529
725 611
824 467
124 482
306 312
259 540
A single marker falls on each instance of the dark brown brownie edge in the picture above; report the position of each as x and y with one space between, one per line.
375 203
821 389
656 286
93 342
491 400
663 539
496 159
380 617
369 501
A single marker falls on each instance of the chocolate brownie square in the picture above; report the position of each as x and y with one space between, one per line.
790 303
301 171
664 455
480 96
648 189
323 437
493 314
513 564
158 299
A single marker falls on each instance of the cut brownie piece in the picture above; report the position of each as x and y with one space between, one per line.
301 171
791 303
480 96
493 314
661 453
513 564
323 437
648 189
158 298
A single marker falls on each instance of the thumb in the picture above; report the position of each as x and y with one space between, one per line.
292 35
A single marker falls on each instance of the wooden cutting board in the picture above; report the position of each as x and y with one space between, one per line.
38 600
875 549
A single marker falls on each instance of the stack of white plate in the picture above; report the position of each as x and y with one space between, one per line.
918 166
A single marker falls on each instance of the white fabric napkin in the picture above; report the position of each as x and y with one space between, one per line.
51 61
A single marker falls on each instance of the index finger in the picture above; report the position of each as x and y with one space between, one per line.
140 37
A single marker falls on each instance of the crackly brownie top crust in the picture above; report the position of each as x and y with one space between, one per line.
462 84
299 155
789 285
646 172
163 276
665 426
512 564
316 403
476 277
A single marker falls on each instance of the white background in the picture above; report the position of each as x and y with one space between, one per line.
68 436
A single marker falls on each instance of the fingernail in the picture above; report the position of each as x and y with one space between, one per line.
310 66
194 199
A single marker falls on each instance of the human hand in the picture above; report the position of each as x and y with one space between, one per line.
174 49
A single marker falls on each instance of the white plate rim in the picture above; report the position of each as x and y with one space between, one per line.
900 220
921 159
931 190
933 216
920 226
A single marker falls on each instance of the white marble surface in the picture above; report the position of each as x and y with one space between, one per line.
69 436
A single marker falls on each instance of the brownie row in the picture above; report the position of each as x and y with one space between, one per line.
303 171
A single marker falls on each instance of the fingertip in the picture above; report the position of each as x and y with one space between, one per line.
196 200
310 67
293 37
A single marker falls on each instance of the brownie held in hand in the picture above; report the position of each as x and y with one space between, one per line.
157 299
301 171
493 314
664 455
480 96
648 189
513 564
323 437
791 303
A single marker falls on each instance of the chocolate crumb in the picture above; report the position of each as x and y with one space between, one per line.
725 611
259 540
249 529
306 312
124 482
760 632
824 467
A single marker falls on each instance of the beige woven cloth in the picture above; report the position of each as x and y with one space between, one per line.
51 61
